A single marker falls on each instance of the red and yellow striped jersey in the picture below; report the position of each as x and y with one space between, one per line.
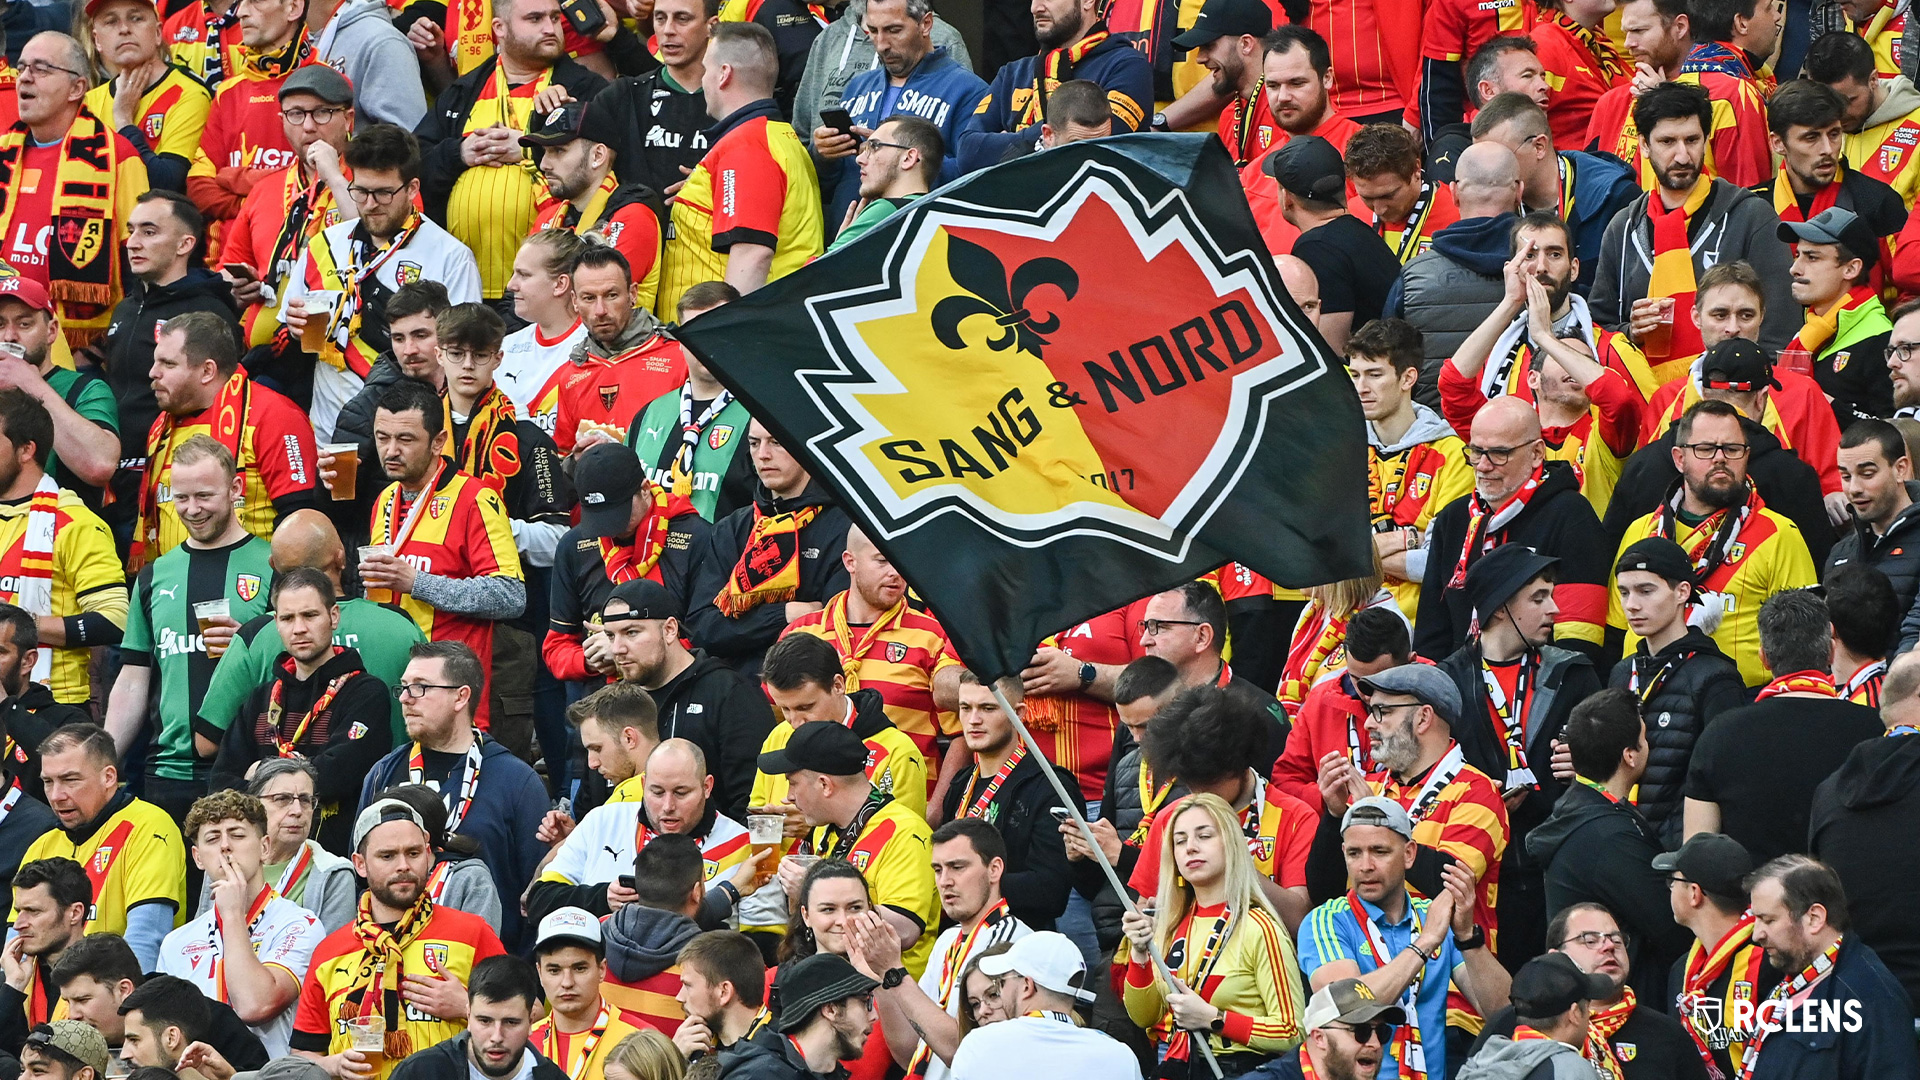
87 576
449 946
898 656
652 1001
1467 819
1407 487
276 455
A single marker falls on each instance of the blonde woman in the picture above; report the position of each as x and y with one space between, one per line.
1319 647
1236 976
645 1055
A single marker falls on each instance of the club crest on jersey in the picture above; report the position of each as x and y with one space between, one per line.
436 956
608 395
152 125
896 652
859 859
718 437
247 586
1737 551
408 273
1420 485
102 858
1840 361
357 730
438 507
1265 854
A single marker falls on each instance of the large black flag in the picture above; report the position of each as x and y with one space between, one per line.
1059 385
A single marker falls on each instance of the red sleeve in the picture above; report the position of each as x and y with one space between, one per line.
1741 150
1297 827
283 449
312 1018
1906 257
217 196
488 945
239 234
1146 870
1658 408
636 233
1298 771
1460 399
1443 35
750 189
564 656
1619 411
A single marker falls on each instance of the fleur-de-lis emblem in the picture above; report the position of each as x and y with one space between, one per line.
1000 298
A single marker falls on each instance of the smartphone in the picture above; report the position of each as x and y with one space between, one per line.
241 271
1060 814
837 119
584 16
626 882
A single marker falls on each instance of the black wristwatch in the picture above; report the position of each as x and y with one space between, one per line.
893 977
1477 941
1088 673
1159 123
1219 1023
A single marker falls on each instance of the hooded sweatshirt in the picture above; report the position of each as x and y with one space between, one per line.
1874 795
1503 1059
727 716
1449 289
362 43
844 50
643 952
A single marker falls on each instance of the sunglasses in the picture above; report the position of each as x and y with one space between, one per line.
1366 1033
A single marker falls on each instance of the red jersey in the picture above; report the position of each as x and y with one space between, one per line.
1741 153
253 236
1278 829
1263 191
1247 126
26 249
610 392
244 132
1332 718
652 1001
1611 131
1581 65
1075 731
630 227
1375 52
1457 809
1455 29
461 532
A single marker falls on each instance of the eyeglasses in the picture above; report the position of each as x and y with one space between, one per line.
872 143
1593 939
297 117
1366 1033
1705 451
1156 627
40 69
287 799
1902 352
468 358
1379 712
377 196
408 690
1497 455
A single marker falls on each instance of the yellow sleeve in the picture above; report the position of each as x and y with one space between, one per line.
186 121
1276 974
498 534
1454 480
129 183
202 165
1794 565
1147 1004
902 876
156 864
905 771
85 553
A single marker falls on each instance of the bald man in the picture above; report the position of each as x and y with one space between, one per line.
902 653
1302 285
382 636
1519 497
1448 289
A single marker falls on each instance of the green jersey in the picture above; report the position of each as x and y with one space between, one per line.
657 438
91 397
383 637
876 212
162 633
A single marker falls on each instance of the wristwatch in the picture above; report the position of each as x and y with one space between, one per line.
1219 1023
893 977
1477 941
1160 122
1088 673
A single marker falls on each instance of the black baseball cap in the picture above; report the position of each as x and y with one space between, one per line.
568 121
1502 572
645 599
1550 985
820 746
1835 225
821 979
1309 167
1656 555
608 476
1737 364
1714 861
1226 18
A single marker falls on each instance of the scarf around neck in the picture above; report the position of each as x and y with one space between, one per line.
1056 66
383 964
1673 272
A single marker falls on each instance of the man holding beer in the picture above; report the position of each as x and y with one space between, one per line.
399 968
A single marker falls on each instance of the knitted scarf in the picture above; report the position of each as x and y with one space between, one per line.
1606 1022
641 558
840 630
1787 204
350 345
383 964
1792 992
229 419
1673 262
28 565
83 262
1612 66
1486 524
768 570
1799 682
1054 67
1715 537
1318 650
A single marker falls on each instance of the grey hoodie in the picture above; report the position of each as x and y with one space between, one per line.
643 942
1426 427
362 44
642 326
1902 98
844 50
1503 1059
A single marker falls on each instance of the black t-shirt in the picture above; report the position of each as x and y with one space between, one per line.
1760 763
1355 267
663 125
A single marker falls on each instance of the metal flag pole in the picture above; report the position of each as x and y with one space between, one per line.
1196 1039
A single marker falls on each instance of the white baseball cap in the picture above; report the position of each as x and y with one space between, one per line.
1048 958
570 924
378 813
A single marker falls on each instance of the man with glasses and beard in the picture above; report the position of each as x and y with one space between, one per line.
1742 552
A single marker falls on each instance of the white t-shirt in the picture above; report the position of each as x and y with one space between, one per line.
600 848
284 935
943 968
530 370
1039 1046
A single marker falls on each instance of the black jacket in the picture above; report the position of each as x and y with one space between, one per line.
727 716
1600 851
1861 987
1037 877
28 720
1896 554
742 641
1789 486
449 1061
1873 797
1558 521
26 822
1702 684
129 349
439 130
771 1059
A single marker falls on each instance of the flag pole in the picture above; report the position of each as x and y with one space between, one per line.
1196 1039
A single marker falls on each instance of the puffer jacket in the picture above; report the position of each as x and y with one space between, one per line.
1895 554
1449 289
1702 684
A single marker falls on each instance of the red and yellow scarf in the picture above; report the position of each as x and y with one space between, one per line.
1605 1022
768 570
1673 262
840 631
1704 967
1319 645
1821 326
641 558
491 451
1799 682
229 420
1056 66
1606 57
1486 524
383 965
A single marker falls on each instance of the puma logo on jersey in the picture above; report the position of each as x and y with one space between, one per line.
171 594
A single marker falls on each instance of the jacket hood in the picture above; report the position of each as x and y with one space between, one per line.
1557 477
1902 98
642 326
347 662
1479 244
1503 1059
198 281
1427 426
354 11
869 713
1902 527
643 942
1578 808
1878 772
769 503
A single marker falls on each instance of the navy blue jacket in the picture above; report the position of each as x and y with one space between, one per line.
1602 184
1881 1046
941 91
996 127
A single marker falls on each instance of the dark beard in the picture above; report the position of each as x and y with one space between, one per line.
1062 32
1721 498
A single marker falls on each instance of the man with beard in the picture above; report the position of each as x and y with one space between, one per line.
1877 110
723 985
86 419
1800 918
402 957
167 641
1589 409
50 902
1731 42
360 263
1845 335
1903 358
572 145
1741 552
1368 933
1228 35
1296 72
1517 690
1804 124
320 704
662 115
626 359
1344 1042
473 166
1010 113
1581 60
1877 478
1658 34
1635 293
826 1016
503 998
914 77
1642 1043
243 140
